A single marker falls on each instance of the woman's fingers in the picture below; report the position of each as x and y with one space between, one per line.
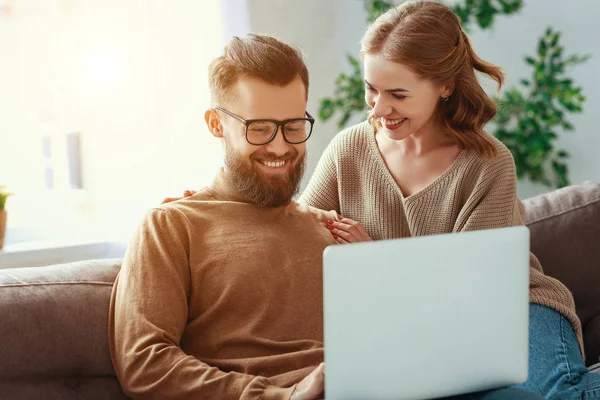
340 240
347 236
349 230
186 193
170 199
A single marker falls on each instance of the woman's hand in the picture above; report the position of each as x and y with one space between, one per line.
186 193
345 230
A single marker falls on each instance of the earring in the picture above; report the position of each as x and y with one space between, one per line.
446 98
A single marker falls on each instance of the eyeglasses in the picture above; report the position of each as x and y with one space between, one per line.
262 131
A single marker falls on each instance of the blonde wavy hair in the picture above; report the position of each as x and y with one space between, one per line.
427 37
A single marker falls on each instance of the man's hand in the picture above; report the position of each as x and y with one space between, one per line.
345 230
186 193
312 387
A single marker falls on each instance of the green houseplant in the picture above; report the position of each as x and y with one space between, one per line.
3 196
530 117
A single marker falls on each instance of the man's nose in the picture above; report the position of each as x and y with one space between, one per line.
278 145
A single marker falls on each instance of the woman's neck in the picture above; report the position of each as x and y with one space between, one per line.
419 143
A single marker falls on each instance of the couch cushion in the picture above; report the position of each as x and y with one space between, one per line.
54 320
565 227
72 388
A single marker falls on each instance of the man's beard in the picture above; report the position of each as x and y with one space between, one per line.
259 188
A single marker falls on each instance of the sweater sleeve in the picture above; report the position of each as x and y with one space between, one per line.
493 201
148 315
322 189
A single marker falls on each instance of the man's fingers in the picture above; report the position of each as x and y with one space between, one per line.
322 366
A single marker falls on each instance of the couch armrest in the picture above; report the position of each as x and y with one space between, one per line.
565 227
54 320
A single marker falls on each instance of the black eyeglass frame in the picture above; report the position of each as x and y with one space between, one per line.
279 124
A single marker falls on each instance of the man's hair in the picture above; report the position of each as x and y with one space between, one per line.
255 56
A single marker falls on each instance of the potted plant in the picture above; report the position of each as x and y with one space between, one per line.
3 196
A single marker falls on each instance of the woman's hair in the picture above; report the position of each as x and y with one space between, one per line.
257 56
427 37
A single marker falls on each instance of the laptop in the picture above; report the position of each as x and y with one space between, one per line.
426 317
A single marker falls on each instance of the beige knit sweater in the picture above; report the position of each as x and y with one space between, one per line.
220 299
473 193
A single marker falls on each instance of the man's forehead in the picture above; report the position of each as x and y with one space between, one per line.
254 98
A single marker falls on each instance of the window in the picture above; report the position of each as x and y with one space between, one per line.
103 107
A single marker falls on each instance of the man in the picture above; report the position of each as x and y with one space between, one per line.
220 294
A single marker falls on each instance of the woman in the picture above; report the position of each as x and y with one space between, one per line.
423 165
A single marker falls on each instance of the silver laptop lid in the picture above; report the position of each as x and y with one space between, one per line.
426 317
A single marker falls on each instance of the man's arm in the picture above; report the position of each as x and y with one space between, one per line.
148 315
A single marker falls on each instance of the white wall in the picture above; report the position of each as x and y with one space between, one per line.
326 30
515 36
146 135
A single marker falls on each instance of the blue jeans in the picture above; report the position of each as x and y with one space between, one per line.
556 368
499 394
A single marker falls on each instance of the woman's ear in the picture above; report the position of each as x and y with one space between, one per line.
447 90
213 123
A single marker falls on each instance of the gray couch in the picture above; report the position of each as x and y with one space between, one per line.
53 340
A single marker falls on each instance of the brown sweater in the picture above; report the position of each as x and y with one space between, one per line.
352 179
220 299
